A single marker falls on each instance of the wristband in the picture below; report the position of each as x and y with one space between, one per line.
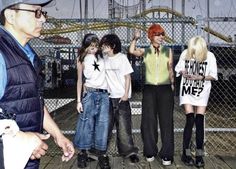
203 77
135 38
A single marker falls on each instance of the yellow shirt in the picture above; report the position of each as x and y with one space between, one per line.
156 66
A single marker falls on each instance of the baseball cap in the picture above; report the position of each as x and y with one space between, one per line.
6 3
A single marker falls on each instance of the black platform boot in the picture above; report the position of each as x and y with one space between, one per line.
82 159
199 158
199 122
103 162
186 156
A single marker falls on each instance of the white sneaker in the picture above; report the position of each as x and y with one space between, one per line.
150 159
166 161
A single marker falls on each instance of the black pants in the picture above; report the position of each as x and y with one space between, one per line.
1 155
157 106
120 115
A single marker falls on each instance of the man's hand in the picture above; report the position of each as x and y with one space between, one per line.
42 147
67 147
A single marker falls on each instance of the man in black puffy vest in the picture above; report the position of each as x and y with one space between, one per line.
20 91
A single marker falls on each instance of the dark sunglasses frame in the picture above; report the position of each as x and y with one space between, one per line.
90 38
159 34
38 12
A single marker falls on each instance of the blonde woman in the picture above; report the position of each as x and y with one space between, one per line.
198 68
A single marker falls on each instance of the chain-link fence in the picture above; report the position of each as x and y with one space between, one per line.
61 40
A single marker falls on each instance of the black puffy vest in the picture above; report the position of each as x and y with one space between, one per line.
22 93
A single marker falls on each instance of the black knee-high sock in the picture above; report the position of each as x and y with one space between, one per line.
188 130
199 122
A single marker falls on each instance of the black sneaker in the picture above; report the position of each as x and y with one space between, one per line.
187 160
82 160
199 162
134 158
103 162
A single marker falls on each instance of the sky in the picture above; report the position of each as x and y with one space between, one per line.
71 8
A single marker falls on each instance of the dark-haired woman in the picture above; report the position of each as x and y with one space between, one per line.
92 104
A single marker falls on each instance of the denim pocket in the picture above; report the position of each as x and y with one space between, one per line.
85 96
124 105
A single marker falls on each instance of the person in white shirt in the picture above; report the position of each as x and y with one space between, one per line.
198 68
118 70
92 104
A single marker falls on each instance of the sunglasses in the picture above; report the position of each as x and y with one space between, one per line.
159 34
38 12
90 38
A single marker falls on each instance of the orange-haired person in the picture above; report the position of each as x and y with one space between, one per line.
158 95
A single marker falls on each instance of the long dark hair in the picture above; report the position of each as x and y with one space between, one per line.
87 41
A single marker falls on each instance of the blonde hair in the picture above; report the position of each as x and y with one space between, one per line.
197 49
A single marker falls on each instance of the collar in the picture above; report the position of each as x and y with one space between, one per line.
156 49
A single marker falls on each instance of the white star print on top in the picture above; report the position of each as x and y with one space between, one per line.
94 72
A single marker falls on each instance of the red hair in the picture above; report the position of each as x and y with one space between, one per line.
154 29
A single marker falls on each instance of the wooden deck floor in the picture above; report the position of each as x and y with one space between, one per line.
66 117
211 162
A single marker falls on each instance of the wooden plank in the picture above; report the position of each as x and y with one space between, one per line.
211 162
46 160
55 163
178 163
229 160
93 164
117 162
142 164
156 164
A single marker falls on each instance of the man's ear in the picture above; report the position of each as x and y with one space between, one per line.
9 15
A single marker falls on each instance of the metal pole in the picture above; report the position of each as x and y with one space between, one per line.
183 24
80 8
93 8
86 9
208 23
200 24
172 23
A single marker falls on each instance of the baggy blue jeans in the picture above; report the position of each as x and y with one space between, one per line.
93 122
